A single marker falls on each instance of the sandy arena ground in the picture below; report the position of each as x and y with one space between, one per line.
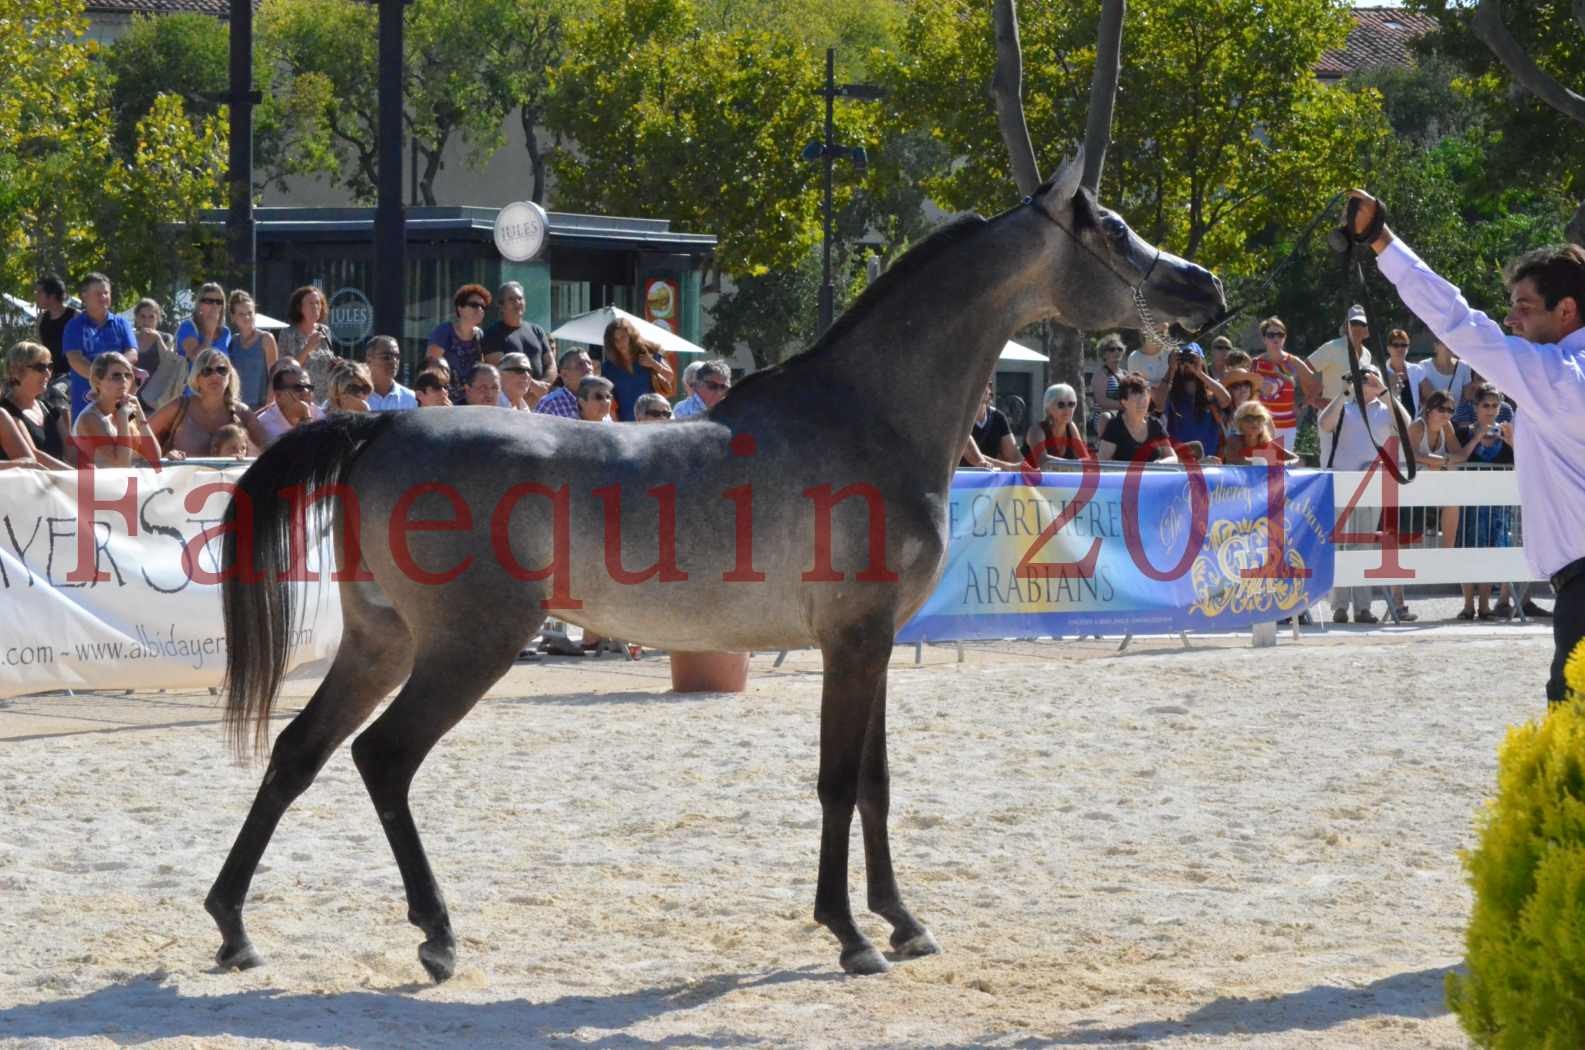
1222 847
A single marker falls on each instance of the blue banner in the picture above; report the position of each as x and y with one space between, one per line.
1143 551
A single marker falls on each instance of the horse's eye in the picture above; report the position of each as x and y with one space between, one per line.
1115 228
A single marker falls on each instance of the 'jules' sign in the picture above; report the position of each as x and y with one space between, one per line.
351 317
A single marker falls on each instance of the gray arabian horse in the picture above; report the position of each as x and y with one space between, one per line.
809 508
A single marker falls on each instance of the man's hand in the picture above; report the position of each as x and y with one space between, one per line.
1364 216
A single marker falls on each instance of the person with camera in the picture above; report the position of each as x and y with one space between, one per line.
1195 403
1542 366
1352 446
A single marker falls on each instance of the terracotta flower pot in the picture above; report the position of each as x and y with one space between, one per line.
709 672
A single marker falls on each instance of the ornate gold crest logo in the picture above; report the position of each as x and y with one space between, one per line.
1231 548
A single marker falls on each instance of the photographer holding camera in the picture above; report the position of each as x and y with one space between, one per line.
1195 402
1542 365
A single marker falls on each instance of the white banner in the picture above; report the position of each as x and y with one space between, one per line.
108 580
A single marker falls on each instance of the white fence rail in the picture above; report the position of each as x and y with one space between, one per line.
1424 564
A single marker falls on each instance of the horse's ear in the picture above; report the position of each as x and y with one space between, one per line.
1061 188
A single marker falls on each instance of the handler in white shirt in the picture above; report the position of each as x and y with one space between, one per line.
1542 367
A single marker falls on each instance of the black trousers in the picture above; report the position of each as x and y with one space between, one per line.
1568 627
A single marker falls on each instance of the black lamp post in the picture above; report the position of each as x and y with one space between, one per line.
239 164
390 234
829 151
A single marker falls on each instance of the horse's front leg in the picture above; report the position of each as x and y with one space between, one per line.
909 938
855 668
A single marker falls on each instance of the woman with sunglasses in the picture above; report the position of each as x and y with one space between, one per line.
292 404
253 351
1056 436
45 426
113 411
211 401
459 342
207 326
350 387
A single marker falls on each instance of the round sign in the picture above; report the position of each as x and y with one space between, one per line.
351 316
520 230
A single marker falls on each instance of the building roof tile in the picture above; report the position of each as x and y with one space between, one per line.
1382 36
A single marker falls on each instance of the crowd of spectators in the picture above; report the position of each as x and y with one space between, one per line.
94 389
1174 404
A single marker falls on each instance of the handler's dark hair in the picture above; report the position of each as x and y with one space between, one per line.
1132 383
1558 271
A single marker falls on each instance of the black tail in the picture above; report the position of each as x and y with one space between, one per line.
259 608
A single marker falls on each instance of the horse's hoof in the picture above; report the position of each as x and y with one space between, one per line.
439 958
238 957
864 961
920 944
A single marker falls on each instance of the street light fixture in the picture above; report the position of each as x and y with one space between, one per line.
828 151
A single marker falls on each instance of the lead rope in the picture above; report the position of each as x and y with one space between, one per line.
1349 245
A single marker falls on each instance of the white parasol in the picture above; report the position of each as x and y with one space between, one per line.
21 306
1020 352
590 328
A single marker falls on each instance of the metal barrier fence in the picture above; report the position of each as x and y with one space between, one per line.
1451 526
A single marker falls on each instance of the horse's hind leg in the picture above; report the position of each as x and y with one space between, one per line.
909 937
448 679
373 658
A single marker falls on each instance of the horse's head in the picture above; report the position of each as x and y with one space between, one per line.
1104 263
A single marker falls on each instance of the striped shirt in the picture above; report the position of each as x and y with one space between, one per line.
1276 392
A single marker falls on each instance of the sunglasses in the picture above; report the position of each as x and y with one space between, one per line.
42 367
1399 346
658 413
474 304
214 370
714 385
213 302
301 388
121 377
599 397
1066 404
517 369
1274 335
357 390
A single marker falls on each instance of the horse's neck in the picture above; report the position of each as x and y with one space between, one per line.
919 360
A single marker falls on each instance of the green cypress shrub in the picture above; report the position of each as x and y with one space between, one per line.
1525 946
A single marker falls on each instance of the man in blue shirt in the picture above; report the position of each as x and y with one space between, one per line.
1542 367
93 332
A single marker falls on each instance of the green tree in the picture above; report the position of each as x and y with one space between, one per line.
1222 134
186 55
153 200
697 126
515 44
323 55
53 140
1540 141
856 28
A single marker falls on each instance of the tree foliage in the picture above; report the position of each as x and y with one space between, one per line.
1536 145
701 127
69 201
1222 135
